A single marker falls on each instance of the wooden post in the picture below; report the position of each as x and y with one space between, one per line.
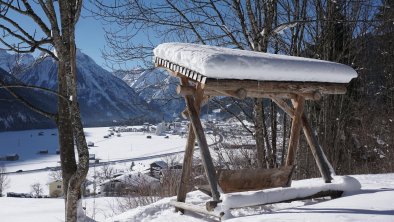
196 209
186 167
188 157
295 130
316 149
200 136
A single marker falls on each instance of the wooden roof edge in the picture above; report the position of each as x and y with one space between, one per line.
214 84
178 69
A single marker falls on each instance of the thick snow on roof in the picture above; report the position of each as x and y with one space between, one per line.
224 63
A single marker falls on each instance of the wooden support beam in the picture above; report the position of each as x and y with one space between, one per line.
260 94
196 209
283 105
285 95
317 151
313 143
202 142
295 130
271 86
240 93
186 167
205 100
185 90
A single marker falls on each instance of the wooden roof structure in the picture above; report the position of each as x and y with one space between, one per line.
197 88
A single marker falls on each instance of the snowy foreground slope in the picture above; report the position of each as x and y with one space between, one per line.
374 202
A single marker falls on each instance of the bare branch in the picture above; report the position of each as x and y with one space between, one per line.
28 104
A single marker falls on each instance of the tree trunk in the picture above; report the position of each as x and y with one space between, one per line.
259 136
75 183
67 49
273 134
284 136
268 149
67 153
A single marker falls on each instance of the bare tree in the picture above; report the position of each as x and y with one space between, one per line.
105 172
54 26
56 175
4 180
36 189
330 30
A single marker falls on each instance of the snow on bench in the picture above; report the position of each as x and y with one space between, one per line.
225 63
274 195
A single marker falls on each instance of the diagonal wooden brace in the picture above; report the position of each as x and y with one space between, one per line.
295 130
186 168
193 106
316 149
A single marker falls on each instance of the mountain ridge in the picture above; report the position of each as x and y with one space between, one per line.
104 99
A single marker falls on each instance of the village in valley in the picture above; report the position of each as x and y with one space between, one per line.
117 154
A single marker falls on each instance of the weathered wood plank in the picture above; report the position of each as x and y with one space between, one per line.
240 93
270 86
295 130
196 209
254 179
258 94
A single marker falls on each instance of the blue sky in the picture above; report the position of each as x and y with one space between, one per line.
90 37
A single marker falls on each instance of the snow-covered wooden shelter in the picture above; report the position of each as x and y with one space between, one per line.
206 71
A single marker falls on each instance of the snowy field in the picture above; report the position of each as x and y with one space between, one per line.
374 202
28 143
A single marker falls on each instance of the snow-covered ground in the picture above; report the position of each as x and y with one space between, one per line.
27 144
374 202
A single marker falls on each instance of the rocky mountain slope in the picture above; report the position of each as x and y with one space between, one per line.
104 99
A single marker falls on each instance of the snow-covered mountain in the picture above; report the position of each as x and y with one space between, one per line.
159 90
103 98
14 115
128 76
10 62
